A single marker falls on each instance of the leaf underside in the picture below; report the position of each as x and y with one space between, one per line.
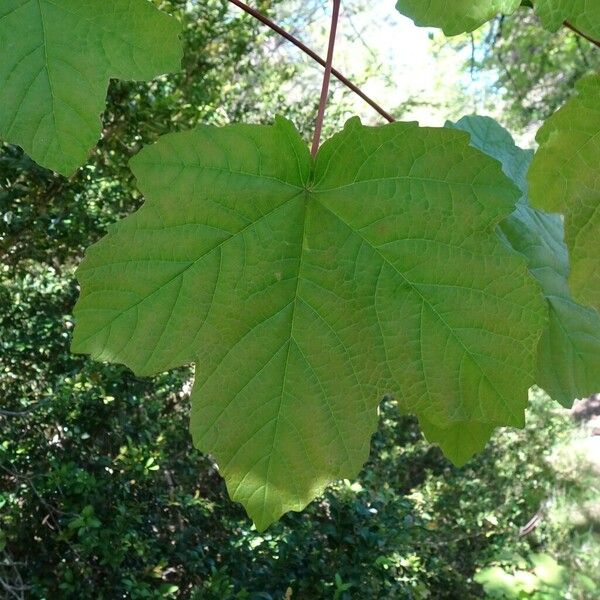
306 290
564 177
57 57
459 441
467 15
583 14
462 16
568 365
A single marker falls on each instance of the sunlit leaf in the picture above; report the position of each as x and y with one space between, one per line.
305 290
56 59
583 14
456 17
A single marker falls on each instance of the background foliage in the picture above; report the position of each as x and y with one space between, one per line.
101 493
532 71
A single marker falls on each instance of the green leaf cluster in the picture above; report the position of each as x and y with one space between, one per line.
401 261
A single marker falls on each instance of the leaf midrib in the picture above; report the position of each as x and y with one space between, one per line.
287 356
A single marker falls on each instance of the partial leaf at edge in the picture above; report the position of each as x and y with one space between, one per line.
458 17
583 14
564 178
56 60
568 364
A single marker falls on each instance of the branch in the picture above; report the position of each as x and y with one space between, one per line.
326 79
583 35
288 36
11 590
24 412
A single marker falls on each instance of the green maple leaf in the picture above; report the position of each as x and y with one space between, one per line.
568 365
462 16
564 178
305 290
56 62
583 14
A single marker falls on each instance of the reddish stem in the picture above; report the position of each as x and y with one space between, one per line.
290 38
326 78
583 35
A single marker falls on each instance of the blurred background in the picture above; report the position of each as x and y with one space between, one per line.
102 495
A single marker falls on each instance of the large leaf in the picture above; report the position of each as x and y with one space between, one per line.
304 291
583 14
455 17
56 59
564 177
568 364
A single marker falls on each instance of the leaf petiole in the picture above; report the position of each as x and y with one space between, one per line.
312 54
326 79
